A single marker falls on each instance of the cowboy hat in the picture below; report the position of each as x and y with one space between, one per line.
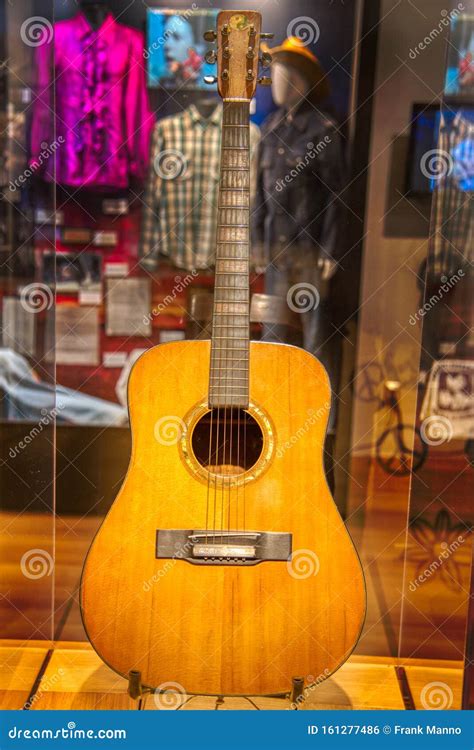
294 52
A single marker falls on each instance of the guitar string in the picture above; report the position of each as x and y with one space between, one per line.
226 330
211 421
242 143
216 376
222 347
235 145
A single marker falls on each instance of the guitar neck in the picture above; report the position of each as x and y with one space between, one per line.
229 371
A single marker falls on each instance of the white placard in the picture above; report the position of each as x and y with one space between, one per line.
18 326
77 335
90 296
114 359
116 269
127 307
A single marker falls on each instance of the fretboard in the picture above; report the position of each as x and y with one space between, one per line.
228 385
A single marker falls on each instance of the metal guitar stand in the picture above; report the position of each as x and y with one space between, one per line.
137 690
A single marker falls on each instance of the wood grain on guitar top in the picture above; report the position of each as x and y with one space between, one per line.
224 629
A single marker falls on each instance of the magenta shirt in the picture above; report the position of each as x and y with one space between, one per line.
102 116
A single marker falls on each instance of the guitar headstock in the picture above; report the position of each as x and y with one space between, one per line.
238 35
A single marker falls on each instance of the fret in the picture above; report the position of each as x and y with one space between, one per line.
224 348
239 226
234 206
229 388
234 169
232 312
229 338
233 242
241 385
231 273
233 264
239 288
238 389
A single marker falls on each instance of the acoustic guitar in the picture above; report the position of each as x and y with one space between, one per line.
223 566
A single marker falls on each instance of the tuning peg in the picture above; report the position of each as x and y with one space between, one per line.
266 59
210 36
210 79
266 35
210 57
264 81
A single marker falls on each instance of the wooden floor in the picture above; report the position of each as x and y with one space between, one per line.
69 675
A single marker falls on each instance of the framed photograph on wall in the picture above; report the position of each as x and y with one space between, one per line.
459 82
175 48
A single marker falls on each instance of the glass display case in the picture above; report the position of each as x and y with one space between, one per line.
360 197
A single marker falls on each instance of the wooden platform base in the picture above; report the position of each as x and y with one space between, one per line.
41 675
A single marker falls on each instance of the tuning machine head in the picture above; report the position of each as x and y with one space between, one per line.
266 59
210 35
210 80
211 57
264 81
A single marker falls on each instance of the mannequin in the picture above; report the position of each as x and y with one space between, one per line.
289 89
298 215
95 11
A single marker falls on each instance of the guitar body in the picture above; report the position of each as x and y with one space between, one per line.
232 628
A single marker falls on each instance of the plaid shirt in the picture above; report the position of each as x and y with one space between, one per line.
180 211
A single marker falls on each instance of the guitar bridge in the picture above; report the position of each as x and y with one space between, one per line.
222 547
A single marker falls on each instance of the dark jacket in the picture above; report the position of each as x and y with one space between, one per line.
300 173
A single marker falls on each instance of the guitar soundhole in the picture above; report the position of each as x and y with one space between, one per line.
227 441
